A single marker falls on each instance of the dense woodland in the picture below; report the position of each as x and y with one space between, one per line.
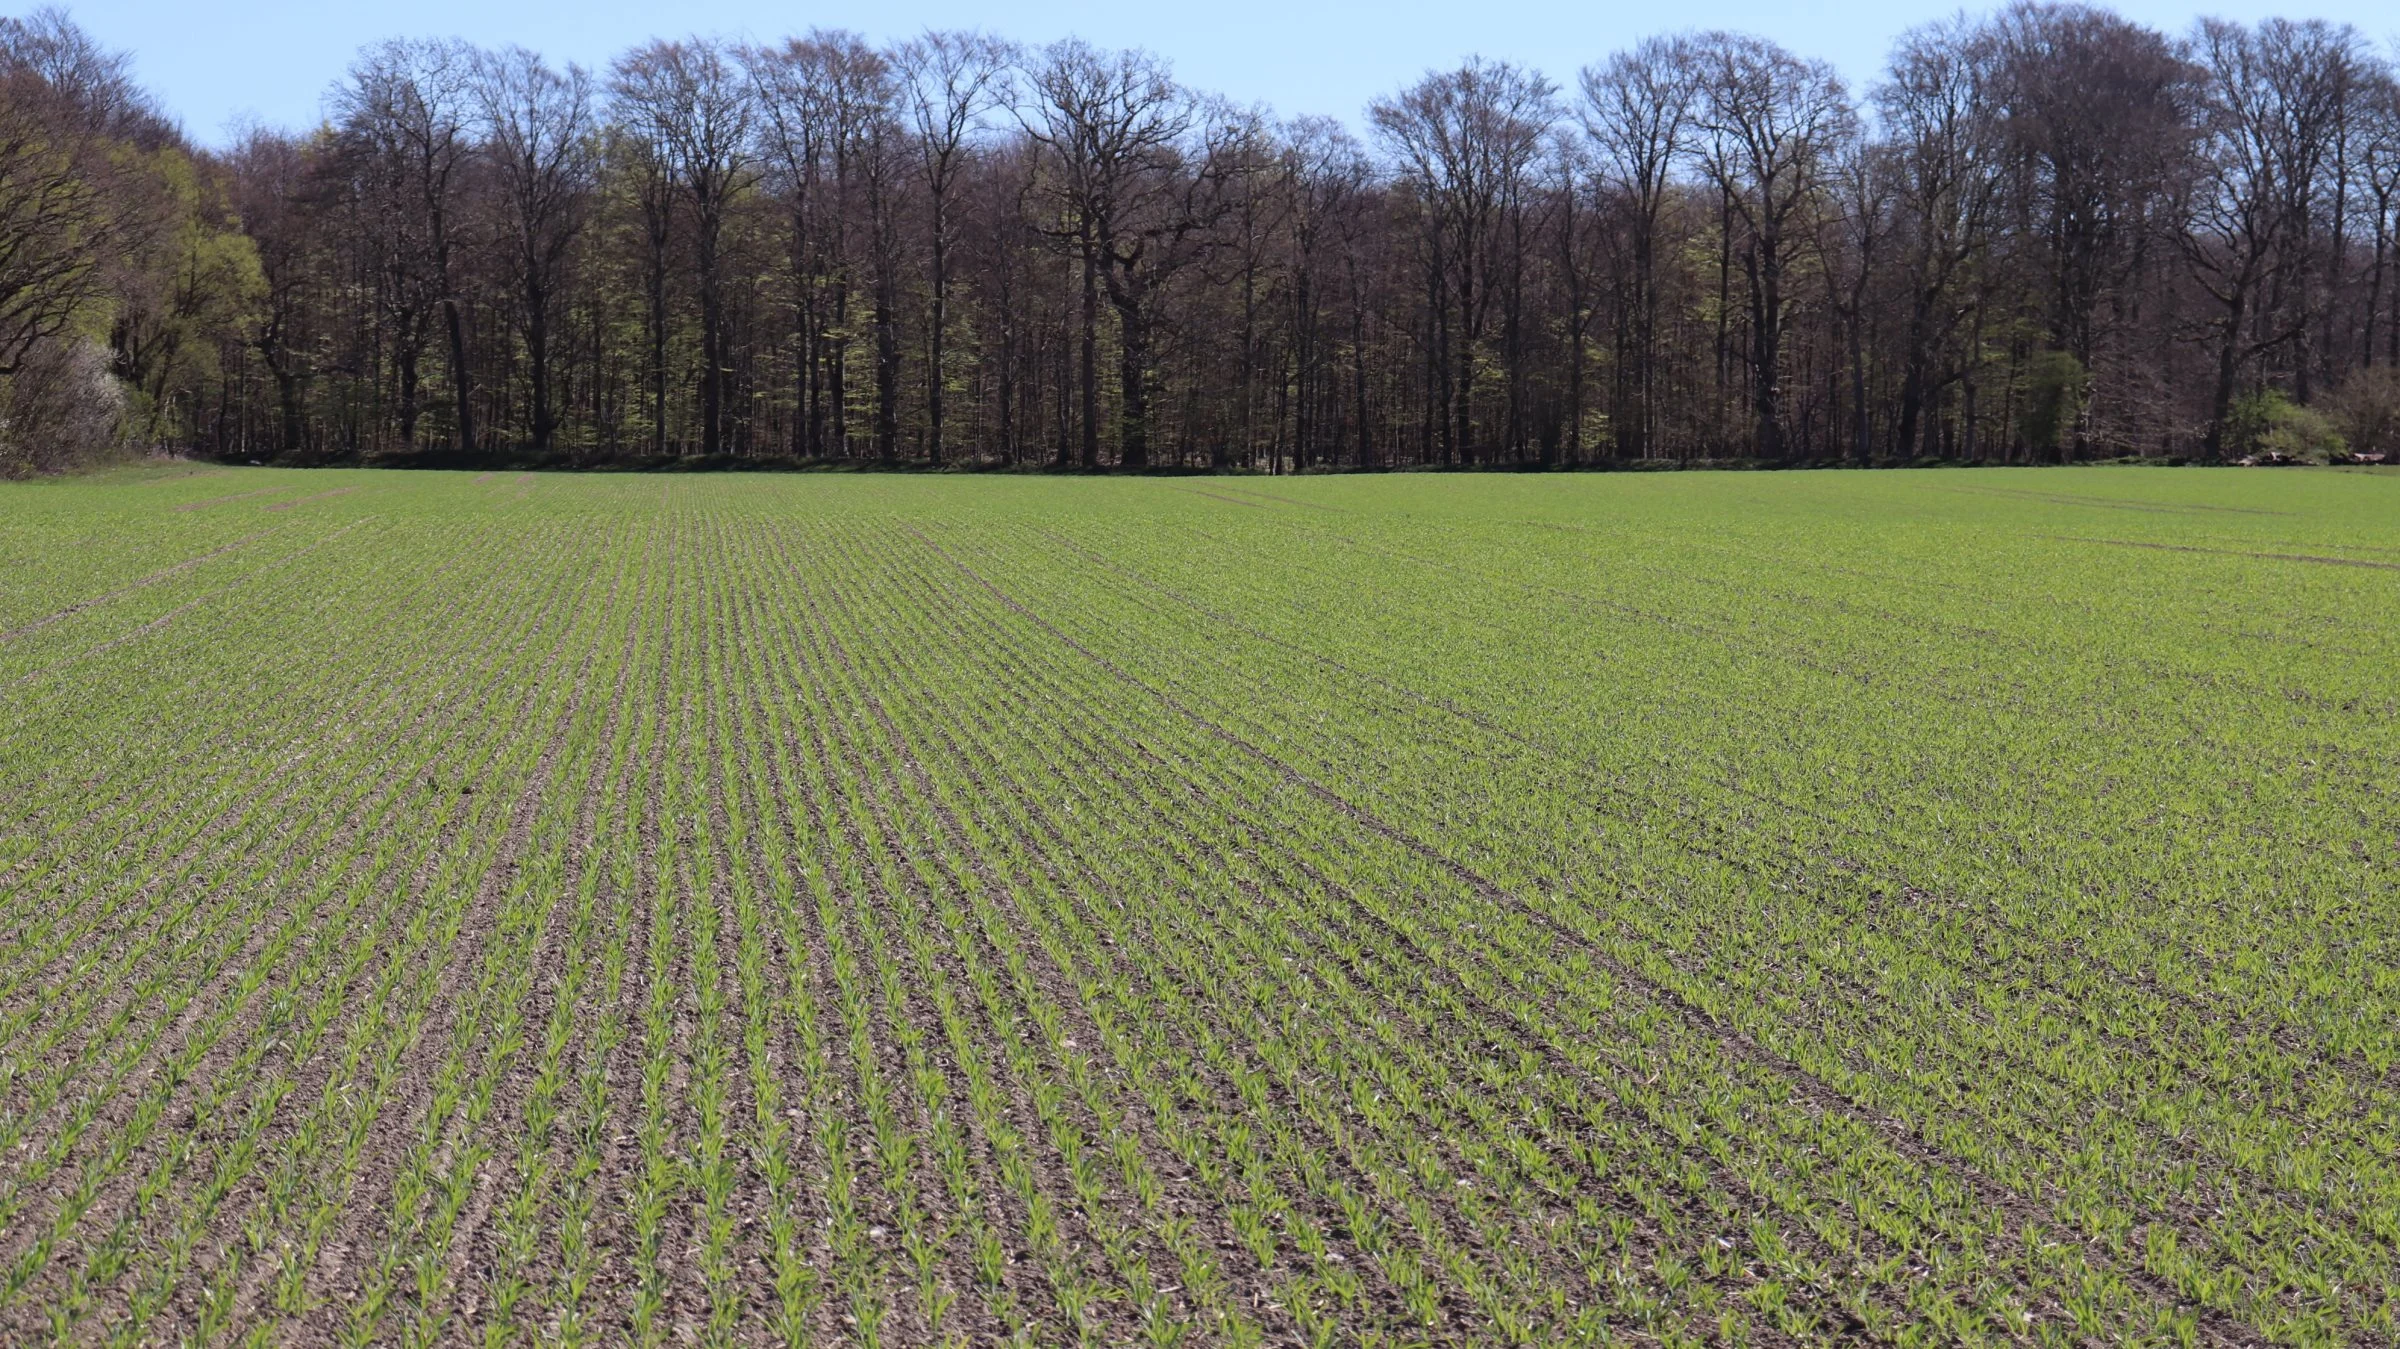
2048 233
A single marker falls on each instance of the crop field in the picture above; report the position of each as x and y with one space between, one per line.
1940 907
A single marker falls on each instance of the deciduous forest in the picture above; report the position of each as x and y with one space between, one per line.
2043 234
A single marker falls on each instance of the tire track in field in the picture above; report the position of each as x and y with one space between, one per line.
1731 640
1903 1138
1056 856
168 617
624 1290
2110 503
302 501
152 579
2256 1176
2231 552
2173 1214
1211 800
594 1289
2371 1082
478 1258
789 1056
864 1265
1214 496
445 972
816 962
1212 859
1288 501
207 502
1003 1306
2034 968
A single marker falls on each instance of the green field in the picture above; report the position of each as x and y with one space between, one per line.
1912 907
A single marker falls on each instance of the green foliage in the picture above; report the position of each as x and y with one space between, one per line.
183 298
2054 387
2269 422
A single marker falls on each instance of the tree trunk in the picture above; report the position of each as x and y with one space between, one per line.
887 367
2228 368
1766 347
658 346
1091 357
287 395
405 365
938 373
1133 378
1358 372
1303 358
544 424
712 341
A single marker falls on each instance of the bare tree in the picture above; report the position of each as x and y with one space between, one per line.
2096 114
1118 132
1637 112
691 103
948 82
795 130
540 130
408 110
824 246
873 152
1329 175
826 126
2376 161
1937 107
1256 220
1773 125
1856 231
1466 140
2273 95
273 191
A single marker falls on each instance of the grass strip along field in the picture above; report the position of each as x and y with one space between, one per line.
1918 908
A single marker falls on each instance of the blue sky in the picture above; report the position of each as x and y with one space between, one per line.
212 64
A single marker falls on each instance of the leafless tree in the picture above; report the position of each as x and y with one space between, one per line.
542 135
2272 96
1329 178
408 111
1466 140
1637 113
1772 127
826 122
1937 107
275 184
2066 234
2097 116
1120 167
2376 160
692 104
948 83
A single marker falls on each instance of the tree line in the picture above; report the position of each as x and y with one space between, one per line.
2040 234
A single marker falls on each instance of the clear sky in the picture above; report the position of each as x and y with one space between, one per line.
213 64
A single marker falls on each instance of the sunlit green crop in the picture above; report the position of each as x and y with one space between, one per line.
1909 907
